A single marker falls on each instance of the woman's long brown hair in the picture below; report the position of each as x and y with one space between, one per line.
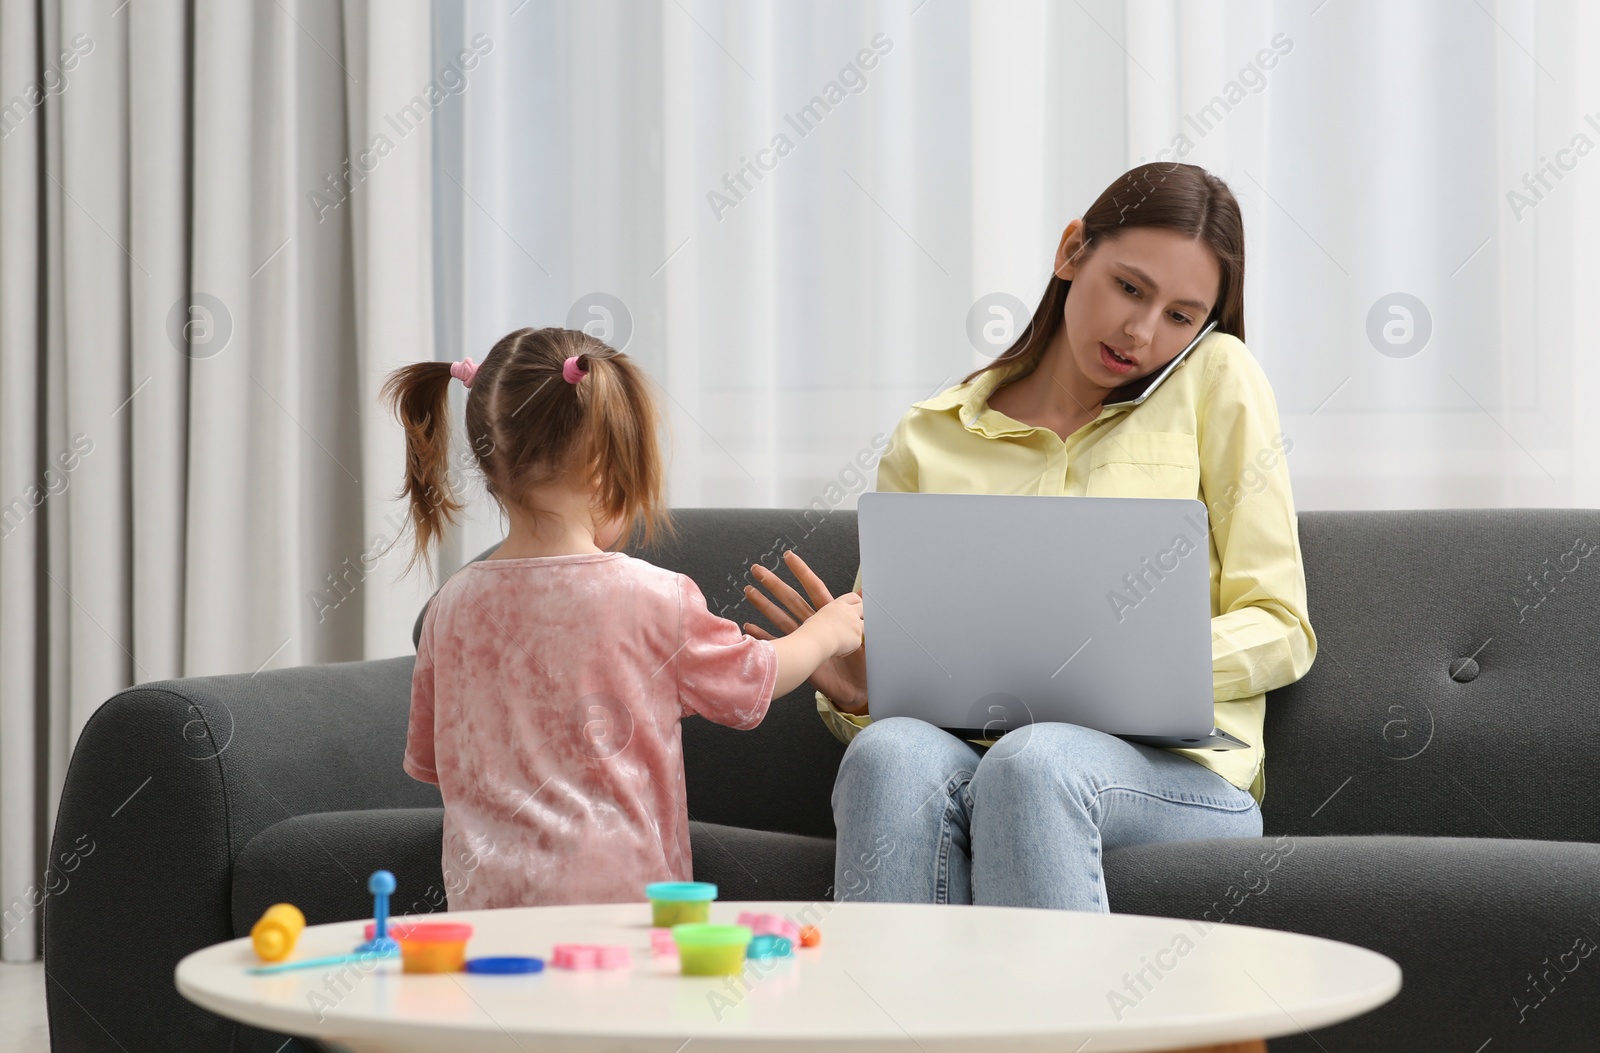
1170 196
528 427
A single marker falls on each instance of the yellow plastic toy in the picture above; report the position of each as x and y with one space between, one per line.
275 934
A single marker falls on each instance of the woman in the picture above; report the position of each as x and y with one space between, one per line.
923 816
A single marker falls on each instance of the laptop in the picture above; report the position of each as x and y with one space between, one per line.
988 612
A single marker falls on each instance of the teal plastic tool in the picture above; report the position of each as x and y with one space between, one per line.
317 963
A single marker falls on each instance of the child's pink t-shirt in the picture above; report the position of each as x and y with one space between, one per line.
545 704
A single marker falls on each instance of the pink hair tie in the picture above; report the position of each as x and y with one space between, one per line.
464 370
571 372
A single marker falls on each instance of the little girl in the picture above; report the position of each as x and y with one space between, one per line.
551 676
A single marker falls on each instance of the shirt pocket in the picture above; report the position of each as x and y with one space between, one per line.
1145 464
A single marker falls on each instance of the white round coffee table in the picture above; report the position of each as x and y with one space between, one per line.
902 977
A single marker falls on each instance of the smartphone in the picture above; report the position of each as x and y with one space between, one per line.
1136 392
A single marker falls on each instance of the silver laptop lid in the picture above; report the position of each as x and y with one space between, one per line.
986 612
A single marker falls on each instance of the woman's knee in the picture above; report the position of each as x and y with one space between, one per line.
1045 751
904 743
895 765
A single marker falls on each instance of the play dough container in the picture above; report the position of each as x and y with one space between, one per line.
680 902
432 947
711 950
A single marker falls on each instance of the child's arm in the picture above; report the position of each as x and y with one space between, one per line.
419 761
731 678
834 631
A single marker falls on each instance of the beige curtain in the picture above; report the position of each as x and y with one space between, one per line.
215 240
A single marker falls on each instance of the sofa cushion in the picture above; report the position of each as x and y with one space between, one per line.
750 864
1394 730
1465 918
321 863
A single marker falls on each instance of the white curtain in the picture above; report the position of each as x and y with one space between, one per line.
194 322
1413 300
1372 147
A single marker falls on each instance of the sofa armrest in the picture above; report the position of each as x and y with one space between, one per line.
168 782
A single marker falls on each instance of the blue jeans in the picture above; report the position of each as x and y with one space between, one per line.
926 817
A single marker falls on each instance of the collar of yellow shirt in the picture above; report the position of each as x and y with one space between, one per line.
972 400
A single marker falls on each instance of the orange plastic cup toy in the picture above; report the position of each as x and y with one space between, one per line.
274 935
432 947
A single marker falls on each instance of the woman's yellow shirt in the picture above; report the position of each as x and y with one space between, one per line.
1209 431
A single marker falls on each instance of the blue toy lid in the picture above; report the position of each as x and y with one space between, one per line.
768 946
505 965
681 891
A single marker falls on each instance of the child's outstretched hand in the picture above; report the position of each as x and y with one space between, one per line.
843 618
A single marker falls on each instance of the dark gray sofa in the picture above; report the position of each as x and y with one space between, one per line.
1431 793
